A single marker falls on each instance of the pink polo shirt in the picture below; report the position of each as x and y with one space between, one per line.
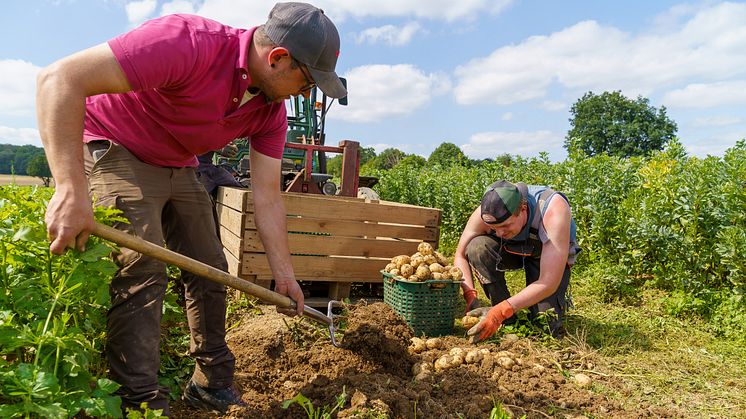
188 76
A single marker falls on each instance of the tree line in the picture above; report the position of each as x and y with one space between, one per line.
607 123
25 160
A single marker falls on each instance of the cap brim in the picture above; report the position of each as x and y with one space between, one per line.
329 83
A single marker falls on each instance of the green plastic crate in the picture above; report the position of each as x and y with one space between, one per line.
427 307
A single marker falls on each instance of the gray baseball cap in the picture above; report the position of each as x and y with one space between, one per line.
312 39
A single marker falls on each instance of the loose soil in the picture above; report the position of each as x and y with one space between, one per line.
277 358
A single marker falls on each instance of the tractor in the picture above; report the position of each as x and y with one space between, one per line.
304 159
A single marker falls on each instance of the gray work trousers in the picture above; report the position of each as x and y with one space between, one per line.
489 258
163 205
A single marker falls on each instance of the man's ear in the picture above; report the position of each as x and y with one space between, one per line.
276 55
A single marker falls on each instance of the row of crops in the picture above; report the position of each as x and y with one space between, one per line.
670 221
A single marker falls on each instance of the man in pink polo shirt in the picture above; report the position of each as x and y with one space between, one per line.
144 105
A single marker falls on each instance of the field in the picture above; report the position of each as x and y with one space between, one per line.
20 180
657 330
640 361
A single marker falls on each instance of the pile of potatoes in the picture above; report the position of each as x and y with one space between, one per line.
499 361
424 265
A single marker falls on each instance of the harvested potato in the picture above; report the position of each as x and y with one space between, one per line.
406 270
456 274
457 351
418 345
469 321
423 272
457 360
394 272
417 254
582 380
505 362
440 258
436 267
437 275
421 367
473 356
389 267
434 343
425 248
400 260
429 259
416 261
443 363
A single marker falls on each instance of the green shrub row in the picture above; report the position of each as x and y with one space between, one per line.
671 221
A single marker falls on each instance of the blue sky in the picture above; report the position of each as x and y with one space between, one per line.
492 77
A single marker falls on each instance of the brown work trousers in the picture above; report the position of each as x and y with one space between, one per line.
163 205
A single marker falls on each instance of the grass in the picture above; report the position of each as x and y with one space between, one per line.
650 356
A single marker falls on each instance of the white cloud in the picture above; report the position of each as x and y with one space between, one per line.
492 144
703 95
245 13
507 116
390 34
138 11
20 136
715 145
17 87
589 56
382 91
554 106
177 6
716 121
448 10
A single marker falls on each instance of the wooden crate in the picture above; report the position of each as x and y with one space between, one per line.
335 240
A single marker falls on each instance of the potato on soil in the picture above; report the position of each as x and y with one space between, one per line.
457 351
582 380
418 345
421 367
473 356
434 343
425 248
443 363
457 360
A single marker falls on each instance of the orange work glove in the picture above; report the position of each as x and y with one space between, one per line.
472 301
491 321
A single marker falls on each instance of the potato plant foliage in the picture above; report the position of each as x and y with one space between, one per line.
52 316
670 220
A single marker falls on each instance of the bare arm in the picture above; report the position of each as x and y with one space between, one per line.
61 90
271 222
474 227
553 256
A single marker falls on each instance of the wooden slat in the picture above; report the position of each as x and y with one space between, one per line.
231 243
234 265
231 219
311 244
232 197
341 209
314 268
